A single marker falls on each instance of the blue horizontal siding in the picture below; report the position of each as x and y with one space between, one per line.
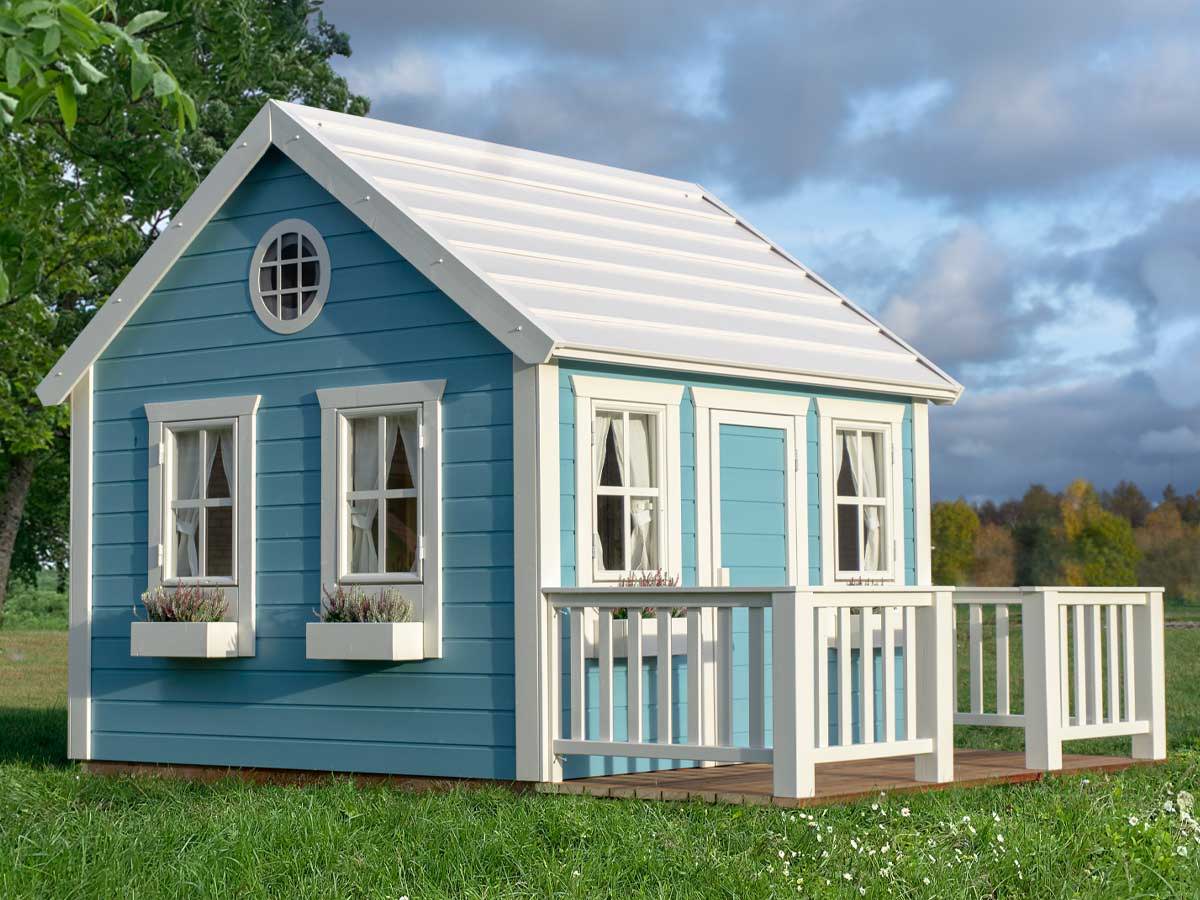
197 337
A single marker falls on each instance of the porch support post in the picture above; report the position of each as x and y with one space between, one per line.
1043 681
536 567
792 677
934 687
1150 686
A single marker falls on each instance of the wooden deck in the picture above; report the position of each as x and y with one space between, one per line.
836 782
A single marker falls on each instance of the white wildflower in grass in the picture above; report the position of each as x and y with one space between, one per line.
1181 850
1000 838
847 876
926 880
995 817
1133 820
905 812
1168 806
1086 781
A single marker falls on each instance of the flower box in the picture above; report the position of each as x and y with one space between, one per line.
389 641
620 636
206 640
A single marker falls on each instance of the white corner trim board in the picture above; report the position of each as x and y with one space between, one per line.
424 588
239 413
79 639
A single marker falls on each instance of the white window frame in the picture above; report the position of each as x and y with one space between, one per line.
305 317
164 420
594 394
880 418
338 407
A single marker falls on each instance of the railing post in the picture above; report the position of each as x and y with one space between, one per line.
792 674
1150 684
1043 683
935 693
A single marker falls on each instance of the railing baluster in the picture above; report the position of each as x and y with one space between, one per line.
867 677
1095 698
1112 675
633 675
954 656
886 621
1127 650
604 635
1003 706
756 657
845 723
821 637
664 675
1079 693
975 652
1064 672
725 676
910 672
554 657
695 669
578 709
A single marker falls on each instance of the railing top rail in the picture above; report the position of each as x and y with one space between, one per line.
1099 590
876 589
657 597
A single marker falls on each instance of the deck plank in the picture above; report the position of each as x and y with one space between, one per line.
844 781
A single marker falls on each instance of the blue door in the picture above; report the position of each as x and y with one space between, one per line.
754 515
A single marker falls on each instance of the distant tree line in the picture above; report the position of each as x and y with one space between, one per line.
1077 537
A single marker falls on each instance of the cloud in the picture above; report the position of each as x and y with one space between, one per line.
1178 441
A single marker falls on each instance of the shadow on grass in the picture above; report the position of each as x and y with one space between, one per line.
33 736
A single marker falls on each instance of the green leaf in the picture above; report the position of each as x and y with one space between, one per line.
87 72
141 73
53 39
12 67
43 20
10 27
34 6
3 282
164 84
188 105
66 103
144 20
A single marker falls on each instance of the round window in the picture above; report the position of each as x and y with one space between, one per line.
289 276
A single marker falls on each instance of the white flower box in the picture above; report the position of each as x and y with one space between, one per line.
207 640
620 636
391 641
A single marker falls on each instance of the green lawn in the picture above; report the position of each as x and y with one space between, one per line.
64 834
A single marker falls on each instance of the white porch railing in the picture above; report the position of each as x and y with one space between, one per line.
1092 661
805 627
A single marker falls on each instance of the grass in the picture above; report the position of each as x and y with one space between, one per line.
65 834
38 607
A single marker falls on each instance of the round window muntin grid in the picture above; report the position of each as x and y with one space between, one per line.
263 301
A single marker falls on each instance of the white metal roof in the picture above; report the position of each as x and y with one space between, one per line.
559 257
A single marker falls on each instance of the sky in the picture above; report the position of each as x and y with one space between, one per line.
1014 188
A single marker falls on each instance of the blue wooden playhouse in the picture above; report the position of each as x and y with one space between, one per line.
499 385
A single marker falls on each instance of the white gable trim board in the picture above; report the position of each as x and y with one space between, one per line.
554 257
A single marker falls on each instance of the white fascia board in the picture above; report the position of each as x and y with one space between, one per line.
145 275
798 376
428 253
955 389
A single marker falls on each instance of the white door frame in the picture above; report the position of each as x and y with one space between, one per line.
715 407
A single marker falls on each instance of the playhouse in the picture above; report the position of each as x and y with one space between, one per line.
652 493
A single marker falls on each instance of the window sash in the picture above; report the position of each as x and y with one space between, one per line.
201 504
380 494
629 493
881 501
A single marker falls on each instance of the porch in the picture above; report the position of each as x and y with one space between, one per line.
838 692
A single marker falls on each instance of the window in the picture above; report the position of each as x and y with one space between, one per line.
201 500
861 475
628 520
289 276
627 477
380 473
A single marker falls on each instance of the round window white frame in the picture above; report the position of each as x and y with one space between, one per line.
306 318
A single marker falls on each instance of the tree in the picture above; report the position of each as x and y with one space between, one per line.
116 178
1170 554
995 563
1037 531
1128 501
953 528
1101 546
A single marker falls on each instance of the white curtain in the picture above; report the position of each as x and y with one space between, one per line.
872 539
848 454
227 456
187 484
410 439
608 431
364 476
641 510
